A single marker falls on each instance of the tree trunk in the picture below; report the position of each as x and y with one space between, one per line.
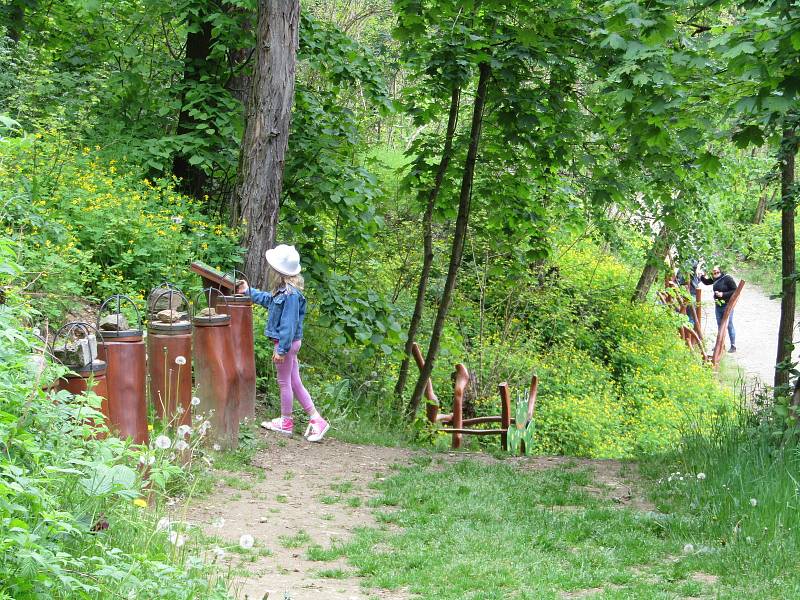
427 226
761 209
13 14
195 66
266 135
459 236
788 283
652 266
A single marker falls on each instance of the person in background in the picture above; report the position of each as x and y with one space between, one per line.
723 287
287 309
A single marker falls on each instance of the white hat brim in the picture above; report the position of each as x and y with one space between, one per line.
270 256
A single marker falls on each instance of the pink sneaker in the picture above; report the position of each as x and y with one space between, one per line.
316 430
282 425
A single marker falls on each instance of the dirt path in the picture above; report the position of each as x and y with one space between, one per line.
756 320
318 494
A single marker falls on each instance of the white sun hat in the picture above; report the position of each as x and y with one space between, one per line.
284 259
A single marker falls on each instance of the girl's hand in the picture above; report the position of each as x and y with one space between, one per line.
277 358
242 287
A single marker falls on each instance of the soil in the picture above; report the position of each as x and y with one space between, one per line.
322 490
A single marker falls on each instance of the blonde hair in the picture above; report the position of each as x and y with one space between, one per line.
276 280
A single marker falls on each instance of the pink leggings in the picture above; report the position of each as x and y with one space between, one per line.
290 384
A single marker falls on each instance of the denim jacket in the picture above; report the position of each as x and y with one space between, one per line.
287 309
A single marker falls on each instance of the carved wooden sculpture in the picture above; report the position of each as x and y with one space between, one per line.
521 432
458 426
719 347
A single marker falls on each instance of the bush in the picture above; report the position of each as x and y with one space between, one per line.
95 227
73 522
615 377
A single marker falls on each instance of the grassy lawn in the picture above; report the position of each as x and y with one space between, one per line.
482 531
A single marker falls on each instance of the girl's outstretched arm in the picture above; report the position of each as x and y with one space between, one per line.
259 297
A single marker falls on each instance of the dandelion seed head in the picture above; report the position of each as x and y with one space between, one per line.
246 541
195 401
177 539
184 430
219 553
701 476
163 523
219 523
163 442
753 502
180 360
688 548
181 445
217 447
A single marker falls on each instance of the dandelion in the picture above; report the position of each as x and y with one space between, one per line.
180 360
753 502
177 219
216 447
179 409
181 445
219 523
748 539
688 548
163 523
198 418
184 430
219 553
177 539
163 442
246 541
140 502
195 401
149 427
701 476
147 459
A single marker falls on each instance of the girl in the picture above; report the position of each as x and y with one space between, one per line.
287 309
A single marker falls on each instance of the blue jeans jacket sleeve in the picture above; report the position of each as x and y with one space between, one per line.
287 326
262 298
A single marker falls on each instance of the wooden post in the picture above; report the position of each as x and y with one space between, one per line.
505 414
698 312
461 379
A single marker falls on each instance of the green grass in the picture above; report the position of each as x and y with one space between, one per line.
298 540
474 531
767 279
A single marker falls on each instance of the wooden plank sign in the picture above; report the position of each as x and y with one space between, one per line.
213 277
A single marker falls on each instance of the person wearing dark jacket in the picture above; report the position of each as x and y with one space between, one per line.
723 286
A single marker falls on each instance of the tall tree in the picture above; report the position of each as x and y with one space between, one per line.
427 237
788 262
266 134
196 66
459 235
653 265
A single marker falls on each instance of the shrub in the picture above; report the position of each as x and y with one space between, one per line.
73 522
95 227
615 377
